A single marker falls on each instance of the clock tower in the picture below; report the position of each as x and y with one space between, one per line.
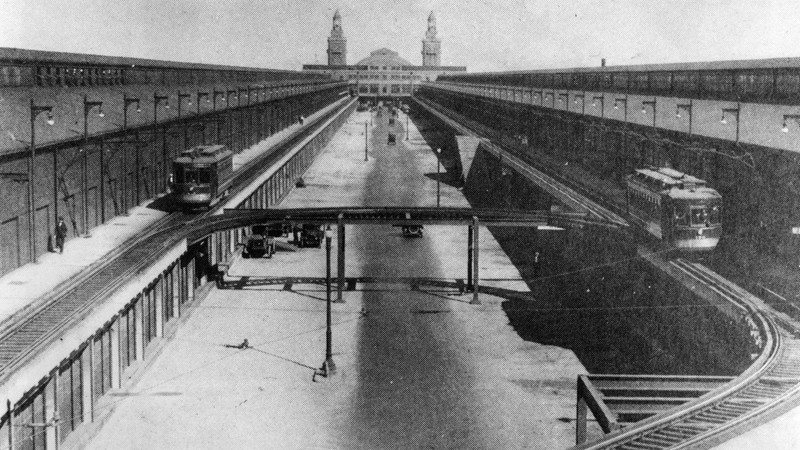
337 43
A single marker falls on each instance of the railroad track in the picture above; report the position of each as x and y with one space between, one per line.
771 382
41 325
567 191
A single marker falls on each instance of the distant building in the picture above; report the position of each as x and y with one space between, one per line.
431 47
337 43
383 73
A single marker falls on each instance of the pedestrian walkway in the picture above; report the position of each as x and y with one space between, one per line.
21 288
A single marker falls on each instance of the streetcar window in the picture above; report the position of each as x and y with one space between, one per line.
190 176
179 174
699 216
205 176
714 215
681 216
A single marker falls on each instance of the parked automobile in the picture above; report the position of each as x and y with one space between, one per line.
311 235
259 244
412 230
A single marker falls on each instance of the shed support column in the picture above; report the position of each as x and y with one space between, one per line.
10 425
158 298
50 412
475 265
580 420
139 347
177 283
469 258
113 333
87 373
340 260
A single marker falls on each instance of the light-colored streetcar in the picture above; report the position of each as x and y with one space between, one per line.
677 208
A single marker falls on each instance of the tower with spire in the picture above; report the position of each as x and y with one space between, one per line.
337 43
431 46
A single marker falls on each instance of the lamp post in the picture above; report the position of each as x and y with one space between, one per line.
214 108
688 108
602 100
652 104
87 107
127 101
438 176
735 113
406 126
230 114
328 367
180 104
366 140
35 111
624 101
200 96
157 99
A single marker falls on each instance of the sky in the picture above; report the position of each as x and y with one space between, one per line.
482 35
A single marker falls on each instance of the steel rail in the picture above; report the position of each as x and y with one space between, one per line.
505 147
71 301
699 422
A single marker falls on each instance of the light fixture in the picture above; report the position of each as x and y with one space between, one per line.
50 120
785 128
100 113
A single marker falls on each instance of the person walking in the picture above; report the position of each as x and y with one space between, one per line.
61 234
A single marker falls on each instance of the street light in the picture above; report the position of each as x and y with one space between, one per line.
126 102
438 176
157 99
686 107
735 113
35 111
328 367
366 140
406 125
87 108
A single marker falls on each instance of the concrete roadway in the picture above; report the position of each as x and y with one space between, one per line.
421 369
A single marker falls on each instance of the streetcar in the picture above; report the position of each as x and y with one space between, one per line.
675 207
201 176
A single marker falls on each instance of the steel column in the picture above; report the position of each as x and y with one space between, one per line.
475 273
340 260
469 257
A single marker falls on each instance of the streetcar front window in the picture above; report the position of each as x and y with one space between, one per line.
715 214
190 176
681 216
699 216
204 175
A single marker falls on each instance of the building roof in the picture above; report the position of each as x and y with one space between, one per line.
383 57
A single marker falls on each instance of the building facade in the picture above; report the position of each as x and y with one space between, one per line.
431 46
337 43
384 73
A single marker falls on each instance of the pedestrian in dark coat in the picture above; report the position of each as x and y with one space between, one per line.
61 234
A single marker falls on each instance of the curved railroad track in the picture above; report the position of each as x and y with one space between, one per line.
38 326
768 384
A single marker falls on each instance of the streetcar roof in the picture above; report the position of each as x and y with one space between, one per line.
700 193
667 177
674 183
203 154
